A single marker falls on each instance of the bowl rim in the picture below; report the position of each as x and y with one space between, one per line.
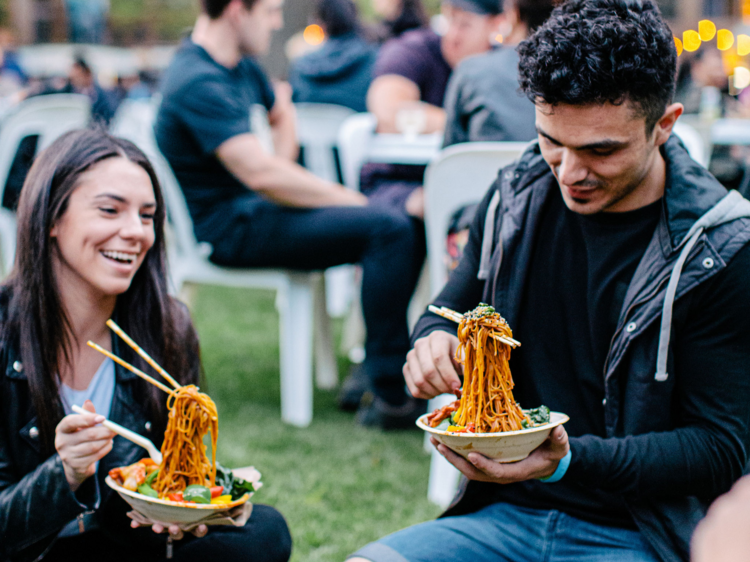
563 418
207 506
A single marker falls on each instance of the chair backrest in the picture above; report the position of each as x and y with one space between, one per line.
355 136
731 131
318 127
459 176
47 117
136 124
693 141
358 144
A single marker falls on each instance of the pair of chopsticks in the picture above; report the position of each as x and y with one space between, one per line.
457 317
120 332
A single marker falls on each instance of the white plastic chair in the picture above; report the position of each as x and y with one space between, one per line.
47 117
300 295
731 132
359 144
693 141
318 127
459 176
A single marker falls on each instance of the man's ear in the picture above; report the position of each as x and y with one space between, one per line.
664 126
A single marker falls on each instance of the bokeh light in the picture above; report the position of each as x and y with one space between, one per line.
707 30
678 45
743 45
741 77
724 39
314 35
691 40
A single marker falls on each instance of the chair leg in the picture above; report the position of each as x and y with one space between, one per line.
7 240
295 304
443 481
443 475
326 371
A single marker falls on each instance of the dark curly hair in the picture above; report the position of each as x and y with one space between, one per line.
598 51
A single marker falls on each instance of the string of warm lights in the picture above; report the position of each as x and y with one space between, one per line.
692 40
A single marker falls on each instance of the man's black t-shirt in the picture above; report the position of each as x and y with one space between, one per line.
204 104
580 270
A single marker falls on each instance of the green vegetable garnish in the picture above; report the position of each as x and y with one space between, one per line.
237 487
151 477
444 425
538 416
197 493
147 490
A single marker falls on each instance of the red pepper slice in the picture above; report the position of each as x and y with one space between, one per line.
470 427
216 491
175 497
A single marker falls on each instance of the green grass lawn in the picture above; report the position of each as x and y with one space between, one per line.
338 485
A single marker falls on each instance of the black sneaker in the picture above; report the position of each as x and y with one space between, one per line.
378 413
352 389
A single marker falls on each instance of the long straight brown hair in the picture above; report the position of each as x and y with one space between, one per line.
36 322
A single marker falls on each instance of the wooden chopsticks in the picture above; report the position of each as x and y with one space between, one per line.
128 340
457 317
130 367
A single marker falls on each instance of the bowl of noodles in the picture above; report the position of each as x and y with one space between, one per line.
186 487
486 419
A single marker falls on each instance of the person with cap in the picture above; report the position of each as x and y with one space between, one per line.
483 101
411 76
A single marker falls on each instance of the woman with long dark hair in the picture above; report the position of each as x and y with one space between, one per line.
91 247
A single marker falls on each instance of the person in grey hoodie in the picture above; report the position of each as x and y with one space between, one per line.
621 264
340 71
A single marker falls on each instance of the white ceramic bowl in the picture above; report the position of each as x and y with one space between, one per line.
172 512
509 446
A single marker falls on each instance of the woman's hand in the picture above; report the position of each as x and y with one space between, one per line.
81 443
175 531
541 463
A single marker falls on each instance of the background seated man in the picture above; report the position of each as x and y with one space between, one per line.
483 101
258 209
594 218
411 74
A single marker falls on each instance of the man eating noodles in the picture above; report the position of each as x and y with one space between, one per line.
621 264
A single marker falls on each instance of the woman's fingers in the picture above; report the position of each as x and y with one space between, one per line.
75 422
175 532
200 531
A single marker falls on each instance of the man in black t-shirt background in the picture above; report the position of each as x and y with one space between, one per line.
621 265
258 208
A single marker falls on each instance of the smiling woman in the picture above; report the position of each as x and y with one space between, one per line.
91 247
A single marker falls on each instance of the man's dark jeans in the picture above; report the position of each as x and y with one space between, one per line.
388 244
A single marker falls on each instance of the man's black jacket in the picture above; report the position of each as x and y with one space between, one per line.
675 439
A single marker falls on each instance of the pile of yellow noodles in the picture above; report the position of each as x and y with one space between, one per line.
192 414
487 400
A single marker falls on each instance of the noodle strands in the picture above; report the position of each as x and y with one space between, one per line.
487 401
192 415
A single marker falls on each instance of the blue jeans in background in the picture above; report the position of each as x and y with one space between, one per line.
507 533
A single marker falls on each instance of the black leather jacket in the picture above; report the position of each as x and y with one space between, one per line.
36 501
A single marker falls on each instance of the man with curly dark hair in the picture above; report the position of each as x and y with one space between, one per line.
622 266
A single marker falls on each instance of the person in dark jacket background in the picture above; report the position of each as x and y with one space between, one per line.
483 101
91 247
340 71
622 266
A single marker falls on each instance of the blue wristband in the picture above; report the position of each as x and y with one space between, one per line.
562 468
